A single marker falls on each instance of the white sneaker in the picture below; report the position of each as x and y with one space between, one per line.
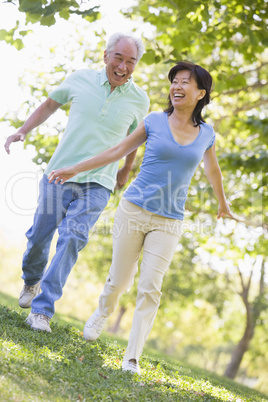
28 293
39 322
128 365
94 326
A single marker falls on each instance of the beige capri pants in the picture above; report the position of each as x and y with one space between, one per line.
134 228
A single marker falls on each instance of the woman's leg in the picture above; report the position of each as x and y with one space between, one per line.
159 248
128 238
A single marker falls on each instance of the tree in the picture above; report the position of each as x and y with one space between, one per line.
254 309
45 12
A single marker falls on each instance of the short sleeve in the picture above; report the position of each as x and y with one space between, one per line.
212 140
62 94
143 111
147 120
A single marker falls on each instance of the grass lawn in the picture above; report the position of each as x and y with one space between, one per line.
62 366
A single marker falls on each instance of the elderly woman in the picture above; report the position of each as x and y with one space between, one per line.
150 213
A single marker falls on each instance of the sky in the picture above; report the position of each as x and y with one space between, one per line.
19 175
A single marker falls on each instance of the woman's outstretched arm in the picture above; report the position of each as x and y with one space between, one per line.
129 144
214 175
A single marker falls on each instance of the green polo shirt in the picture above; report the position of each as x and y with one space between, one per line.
98 120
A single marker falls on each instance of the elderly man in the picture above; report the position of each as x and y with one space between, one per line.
106 105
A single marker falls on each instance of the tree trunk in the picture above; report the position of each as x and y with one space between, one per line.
253 312
115 327
240 350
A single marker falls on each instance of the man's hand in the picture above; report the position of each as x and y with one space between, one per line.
61 175
122 177
13 138
40 115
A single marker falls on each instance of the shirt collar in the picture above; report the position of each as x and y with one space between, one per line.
122 88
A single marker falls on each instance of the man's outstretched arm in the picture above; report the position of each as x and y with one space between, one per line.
41 114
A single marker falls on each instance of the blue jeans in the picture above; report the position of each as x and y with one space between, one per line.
72 208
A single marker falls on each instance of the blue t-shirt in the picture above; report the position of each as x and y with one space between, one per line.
167 169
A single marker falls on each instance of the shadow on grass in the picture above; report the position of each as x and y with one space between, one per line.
62 362
12 302
38 361
8 300
61 365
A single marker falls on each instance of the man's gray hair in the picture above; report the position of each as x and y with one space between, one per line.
112 41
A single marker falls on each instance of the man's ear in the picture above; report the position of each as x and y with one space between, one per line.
202 93
105 56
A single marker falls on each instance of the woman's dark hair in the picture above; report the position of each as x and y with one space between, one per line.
203 80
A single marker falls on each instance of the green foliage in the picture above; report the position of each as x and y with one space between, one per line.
230 40
8 36
194 28
45 12
62 365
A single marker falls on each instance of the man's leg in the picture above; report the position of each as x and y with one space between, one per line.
89 200
52 205
159 248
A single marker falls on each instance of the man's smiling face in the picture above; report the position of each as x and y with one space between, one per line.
120 62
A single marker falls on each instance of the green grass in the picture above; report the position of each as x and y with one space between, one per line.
61 366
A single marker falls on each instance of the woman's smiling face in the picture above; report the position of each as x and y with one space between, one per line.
184 91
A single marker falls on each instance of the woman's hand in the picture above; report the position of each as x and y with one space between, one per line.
225 210
61 175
